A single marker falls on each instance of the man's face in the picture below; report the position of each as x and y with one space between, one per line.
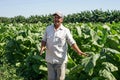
57 20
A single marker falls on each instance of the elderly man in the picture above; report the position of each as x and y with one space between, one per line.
55 41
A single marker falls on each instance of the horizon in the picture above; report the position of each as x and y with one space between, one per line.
64 15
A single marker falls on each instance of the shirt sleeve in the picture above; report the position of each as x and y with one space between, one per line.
45 36
69 37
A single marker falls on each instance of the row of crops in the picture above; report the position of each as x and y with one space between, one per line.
20 45
83 16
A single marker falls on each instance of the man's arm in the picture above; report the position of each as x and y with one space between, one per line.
76 48
43 47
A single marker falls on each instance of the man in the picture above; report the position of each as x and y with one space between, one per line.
55 42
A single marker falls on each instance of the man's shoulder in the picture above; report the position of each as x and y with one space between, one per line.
65 28
49 26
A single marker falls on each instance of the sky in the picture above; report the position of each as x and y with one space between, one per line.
27 8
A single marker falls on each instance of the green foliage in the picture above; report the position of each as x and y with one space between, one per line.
21 50
84 16
102 45
20 59
8 72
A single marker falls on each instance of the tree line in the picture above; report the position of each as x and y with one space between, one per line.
84 16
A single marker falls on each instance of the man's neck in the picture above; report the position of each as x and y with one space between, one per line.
56 26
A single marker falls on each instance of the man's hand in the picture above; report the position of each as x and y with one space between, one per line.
84 54
76 48
42 49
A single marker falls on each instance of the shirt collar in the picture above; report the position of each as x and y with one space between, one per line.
60 28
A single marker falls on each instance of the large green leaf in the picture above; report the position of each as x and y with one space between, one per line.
107 75
89 63
109 67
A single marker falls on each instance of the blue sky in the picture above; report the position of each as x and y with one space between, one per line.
11 8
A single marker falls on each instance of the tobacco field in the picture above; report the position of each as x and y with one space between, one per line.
20 46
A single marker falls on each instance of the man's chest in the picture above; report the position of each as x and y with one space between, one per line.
56 36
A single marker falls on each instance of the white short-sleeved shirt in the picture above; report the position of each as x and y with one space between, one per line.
56 43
